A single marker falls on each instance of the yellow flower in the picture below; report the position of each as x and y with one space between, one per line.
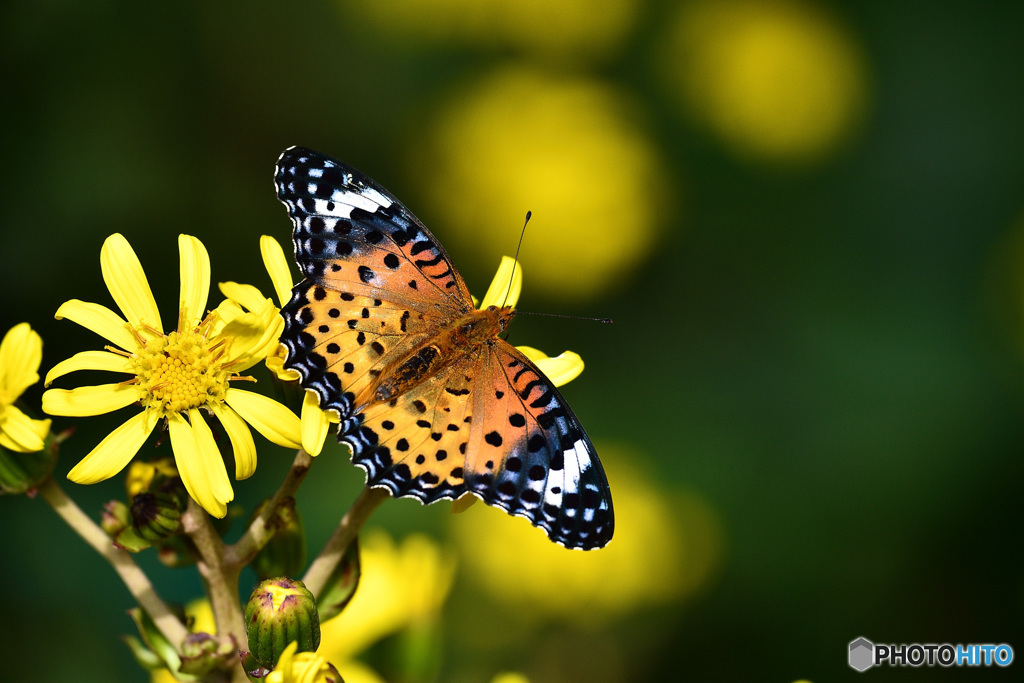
401 585
172 376
20 354
302 667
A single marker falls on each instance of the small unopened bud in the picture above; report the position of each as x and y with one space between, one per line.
23 472
115 518
202 653
280 611
155 515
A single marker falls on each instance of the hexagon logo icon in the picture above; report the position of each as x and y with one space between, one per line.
862 654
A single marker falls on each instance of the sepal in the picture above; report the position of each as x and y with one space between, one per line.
24 472
285 553
341 584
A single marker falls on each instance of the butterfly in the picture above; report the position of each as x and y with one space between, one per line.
431 401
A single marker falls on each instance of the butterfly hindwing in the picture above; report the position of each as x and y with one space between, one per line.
415 444
494 426
549 473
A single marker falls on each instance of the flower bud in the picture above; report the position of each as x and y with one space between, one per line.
22 472
285 553
155 515
341 584
115 518
202 653
280 611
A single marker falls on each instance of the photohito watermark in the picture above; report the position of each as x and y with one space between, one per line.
864 654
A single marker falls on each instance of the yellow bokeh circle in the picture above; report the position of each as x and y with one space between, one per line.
569 150
667 546
568 30
778 80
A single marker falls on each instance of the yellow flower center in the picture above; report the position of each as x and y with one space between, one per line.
179 371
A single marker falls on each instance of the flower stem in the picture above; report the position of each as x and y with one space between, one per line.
221 579
134 578
326 562
259 531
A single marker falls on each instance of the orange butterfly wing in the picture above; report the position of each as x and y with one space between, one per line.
378 286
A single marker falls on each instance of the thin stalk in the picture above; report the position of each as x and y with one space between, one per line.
134 578
326 562
259 531
221 580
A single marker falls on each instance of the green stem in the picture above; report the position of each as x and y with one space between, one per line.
326 562
260 531
134 578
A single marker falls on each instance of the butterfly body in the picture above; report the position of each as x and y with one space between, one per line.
432 402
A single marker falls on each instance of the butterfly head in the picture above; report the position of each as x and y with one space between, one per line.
478 326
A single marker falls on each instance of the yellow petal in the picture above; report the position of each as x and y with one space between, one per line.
315 423
561 369
88 360
195 464
268 417
24 434
216 472
275 362
241 440
114 452
277 266
253 336
21 351
194 278
509 278
246 295
127 282
99 319
92 400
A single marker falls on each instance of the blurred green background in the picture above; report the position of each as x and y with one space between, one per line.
806 218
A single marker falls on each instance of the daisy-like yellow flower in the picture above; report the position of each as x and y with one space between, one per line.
21 351
173 376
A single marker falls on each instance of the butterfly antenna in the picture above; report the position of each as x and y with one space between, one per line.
515 263
607 321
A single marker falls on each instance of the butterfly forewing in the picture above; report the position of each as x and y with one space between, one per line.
364 256
379 289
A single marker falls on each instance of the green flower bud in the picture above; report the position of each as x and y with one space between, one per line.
115 518
285 553
279 611
202 653
341 584
22 472
155 515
